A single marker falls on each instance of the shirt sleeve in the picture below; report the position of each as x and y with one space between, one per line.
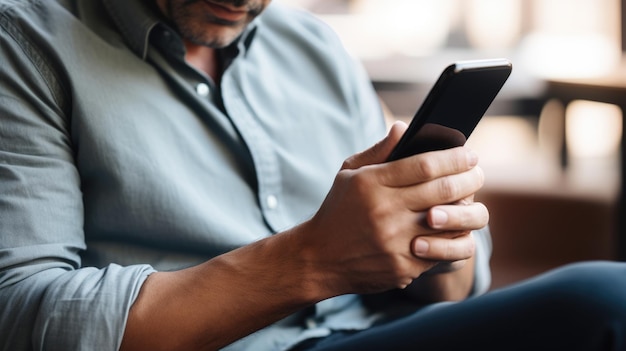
48 301
482 269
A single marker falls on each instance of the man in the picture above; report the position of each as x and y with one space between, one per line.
167 181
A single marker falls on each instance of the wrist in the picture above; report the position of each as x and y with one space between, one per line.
284 264
307 259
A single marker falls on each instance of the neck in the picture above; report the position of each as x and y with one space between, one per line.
204 59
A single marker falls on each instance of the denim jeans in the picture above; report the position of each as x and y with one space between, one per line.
581 306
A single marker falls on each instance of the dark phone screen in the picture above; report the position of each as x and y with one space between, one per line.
452 109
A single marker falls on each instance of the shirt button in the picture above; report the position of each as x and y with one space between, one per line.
310 323
272 202
202 89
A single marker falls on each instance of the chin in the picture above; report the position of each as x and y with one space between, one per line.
214 36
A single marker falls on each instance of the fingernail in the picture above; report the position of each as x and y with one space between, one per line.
438 218
420 247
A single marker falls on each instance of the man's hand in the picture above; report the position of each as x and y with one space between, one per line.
367 237
384 224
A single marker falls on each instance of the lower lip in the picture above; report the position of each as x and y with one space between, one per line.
224 13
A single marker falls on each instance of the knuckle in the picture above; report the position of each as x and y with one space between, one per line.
460 248
458 159
485 214
449 251
345 176
349 163
467 219
470 248
380 219
380 239
487 217
475 216
464 248
426 167
357 182
362 181
477 179
448 189
481 175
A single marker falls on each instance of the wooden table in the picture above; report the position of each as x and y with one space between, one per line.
608 89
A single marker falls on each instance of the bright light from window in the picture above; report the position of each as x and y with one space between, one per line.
569 56
504 141
413 27
377 28
593 129
493 24
572 38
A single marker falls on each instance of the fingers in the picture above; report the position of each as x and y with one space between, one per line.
445 190
447 221
423 180
458 217
442 248
391 221
453 241
427 166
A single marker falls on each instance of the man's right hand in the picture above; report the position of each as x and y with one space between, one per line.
364 237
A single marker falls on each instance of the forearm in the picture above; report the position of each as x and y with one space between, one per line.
211 305
451 286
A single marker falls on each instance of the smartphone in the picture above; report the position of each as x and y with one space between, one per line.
454 106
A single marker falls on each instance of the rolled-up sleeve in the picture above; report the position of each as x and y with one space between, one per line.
57 309
47 300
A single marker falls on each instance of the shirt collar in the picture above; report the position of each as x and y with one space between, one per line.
136 20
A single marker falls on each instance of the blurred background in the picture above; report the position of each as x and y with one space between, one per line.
551 143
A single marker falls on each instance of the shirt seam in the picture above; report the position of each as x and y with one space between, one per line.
34 56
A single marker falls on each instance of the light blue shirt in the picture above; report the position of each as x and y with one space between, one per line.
118 159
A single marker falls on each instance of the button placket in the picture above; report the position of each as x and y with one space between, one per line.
263 156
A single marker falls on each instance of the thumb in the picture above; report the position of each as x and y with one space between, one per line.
380 151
